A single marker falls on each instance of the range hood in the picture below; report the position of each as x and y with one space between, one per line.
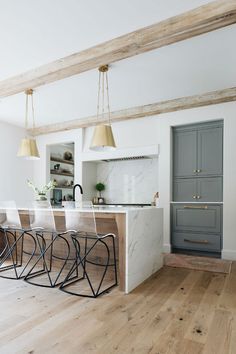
123 154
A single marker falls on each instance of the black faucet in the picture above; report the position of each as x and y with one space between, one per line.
81 190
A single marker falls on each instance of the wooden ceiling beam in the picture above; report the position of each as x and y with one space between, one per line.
215 15
153 109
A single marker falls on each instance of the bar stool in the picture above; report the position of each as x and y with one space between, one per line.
53 265
81 225
14 258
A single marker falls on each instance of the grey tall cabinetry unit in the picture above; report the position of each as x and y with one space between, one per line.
197 189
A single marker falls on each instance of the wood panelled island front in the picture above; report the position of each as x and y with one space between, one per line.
139 243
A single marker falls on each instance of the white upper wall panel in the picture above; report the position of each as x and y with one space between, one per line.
33 33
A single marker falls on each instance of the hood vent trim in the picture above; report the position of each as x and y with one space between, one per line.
127 159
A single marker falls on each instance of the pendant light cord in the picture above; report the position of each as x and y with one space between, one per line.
103 98
29 93
26 110
32 107
99 90
108 101
102 82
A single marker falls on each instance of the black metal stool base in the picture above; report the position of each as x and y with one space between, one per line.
82 261
47 268
10 253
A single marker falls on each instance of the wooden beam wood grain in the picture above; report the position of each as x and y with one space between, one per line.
215 15
210 98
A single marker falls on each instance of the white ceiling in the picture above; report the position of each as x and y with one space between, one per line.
33 33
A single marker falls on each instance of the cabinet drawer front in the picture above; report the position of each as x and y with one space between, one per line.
200 218
200 242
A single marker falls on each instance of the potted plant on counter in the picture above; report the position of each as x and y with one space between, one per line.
100 187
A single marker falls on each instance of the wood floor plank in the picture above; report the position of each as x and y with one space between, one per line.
232 344
201 322
228 298
218 341
156 318
136 316
186 346
180 323
155 321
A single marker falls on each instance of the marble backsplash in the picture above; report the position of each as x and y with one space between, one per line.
131 181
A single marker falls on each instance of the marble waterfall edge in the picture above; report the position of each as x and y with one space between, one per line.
144 245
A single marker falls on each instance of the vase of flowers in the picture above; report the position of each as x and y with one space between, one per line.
41 194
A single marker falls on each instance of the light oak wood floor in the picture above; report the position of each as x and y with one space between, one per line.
177 311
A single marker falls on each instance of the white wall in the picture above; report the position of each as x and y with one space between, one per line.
14 170
157 130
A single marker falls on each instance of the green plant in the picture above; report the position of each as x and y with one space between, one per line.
100 187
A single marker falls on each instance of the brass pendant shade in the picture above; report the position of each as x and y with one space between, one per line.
28 147
103 138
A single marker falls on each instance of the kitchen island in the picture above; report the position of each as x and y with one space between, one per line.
139 233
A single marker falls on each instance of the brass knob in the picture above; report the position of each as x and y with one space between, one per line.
198 196
199 171
194 196
194 171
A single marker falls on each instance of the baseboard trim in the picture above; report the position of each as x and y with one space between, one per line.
228 254
166 248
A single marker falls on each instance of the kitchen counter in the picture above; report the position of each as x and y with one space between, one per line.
111 209
140 237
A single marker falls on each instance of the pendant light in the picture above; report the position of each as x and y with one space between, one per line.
103 138
28 146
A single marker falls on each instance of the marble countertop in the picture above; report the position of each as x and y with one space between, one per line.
102 209
113 209
120 209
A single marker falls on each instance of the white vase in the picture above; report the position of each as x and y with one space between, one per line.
41 197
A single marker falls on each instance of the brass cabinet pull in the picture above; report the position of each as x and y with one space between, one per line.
194 196
194 171
195 207
199 171
203 242
198 196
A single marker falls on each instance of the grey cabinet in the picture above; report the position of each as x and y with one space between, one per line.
210 151
192 241
185 153
210 189
185 190
197 218
198 150
197 182
198 189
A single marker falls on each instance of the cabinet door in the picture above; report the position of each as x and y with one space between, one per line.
197 218
210 189
210 151
185 190
185 153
